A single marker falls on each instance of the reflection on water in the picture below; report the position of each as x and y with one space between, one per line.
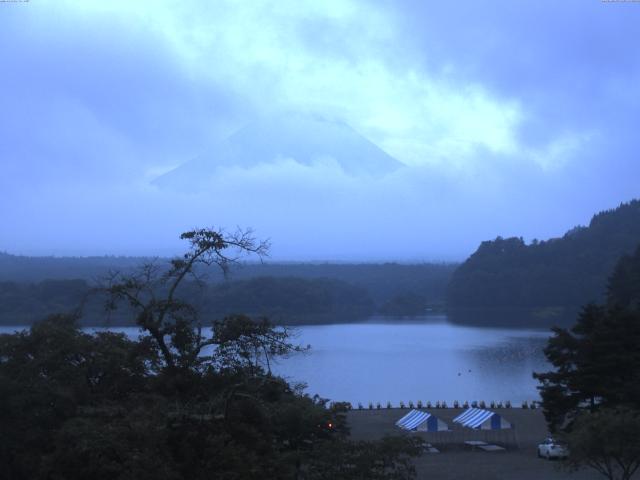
424 359
507 367
420 360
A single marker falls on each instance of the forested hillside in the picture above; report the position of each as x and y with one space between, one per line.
286 300
561 272
23 269
33 287
383 281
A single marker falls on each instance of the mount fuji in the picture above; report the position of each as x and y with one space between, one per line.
305 139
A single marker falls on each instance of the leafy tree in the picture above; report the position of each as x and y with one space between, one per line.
290 299
593 395
178 403
607 441
53 373
388 459
245 344
172 323
624 284
597 363
405 304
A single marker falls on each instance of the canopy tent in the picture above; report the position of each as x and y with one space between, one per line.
481 419
419 421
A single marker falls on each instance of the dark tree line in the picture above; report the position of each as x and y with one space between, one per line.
382 282
561 272
292 300
285 300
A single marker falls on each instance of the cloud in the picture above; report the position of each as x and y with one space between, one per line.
314 211
342 58
178 75
516 119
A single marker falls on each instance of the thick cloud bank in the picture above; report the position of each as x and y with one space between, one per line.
507 118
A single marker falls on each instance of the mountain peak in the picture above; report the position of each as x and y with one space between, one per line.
303 138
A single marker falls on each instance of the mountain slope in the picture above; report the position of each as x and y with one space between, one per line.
561 272
304 139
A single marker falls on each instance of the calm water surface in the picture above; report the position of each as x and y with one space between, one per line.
426 359
421 360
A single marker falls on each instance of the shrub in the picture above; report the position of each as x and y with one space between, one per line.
465 405
388 404
341 406
444 404
474 404
428 404
525 404
360 407
438 404
419 403
507 404
493 404
410 403
482 404
370 406
456 404
378 406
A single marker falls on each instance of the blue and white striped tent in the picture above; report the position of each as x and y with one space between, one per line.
419 421
481 419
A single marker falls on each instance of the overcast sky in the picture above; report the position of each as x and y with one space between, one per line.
510 118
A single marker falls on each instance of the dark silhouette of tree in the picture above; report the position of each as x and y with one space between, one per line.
596 362
181 402
172 323
624 284
607 441
593 394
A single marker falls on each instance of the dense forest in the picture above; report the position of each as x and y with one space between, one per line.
556 275
286 300
383 281
286 293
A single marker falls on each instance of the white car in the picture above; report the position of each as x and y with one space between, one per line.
550 448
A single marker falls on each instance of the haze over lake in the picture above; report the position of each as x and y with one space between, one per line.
428 359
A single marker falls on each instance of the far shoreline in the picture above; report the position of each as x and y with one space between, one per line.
496 317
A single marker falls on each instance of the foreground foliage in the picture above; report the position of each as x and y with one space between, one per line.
74 405
597 365
592 398
606 440
181 402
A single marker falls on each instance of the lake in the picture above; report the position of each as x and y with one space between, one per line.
426 359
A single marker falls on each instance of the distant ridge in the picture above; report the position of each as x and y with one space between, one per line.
33 287
561 272
305 139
